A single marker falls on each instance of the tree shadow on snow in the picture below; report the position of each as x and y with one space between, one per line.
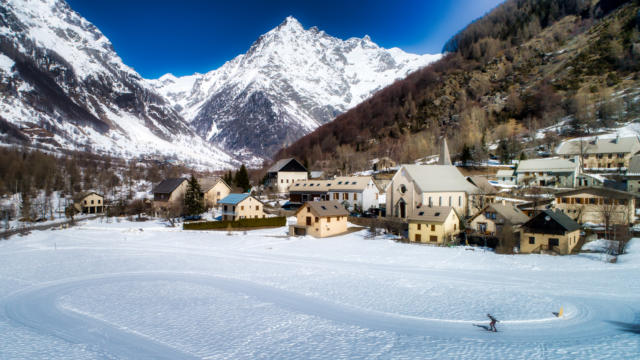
627 327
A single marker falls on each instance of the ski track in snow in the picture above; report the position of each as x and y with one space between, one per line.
246 296
38 308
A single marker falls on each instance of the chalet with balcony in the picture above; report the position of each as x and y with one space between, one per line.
241 206
551 231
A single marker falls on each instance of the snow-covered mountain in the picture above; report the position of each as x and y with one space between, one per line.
62 86
289 82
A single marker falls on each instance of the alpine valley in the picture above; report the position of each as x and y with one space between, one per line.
63 87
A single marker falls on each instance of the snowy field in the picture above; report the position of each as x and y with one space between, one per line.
144 291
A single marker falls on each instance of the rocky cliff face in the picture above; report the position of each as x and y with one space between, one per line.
62 86
289 82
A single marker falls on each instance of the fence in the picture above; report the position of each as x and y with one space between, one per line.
238 224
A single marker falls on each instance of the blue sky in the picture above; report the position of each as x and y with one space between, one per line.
183 37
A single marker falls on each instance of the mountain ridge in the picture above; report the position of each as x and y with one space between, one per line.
290 81
64 87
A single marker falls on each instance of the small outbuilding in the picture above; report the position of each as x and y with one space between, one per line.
320 219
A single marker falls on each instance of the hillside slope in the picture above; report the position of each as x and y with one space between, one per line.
525 65
63 87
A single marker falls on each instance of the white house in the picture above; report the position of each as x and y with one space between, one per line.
284 173
547 172
353 191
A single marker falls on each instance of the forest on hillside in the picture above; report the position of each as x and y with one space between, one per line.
526 65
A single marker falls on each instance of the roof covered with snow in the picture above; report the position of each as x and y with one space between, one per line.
504 173
600 146
342 183
546 165
432 178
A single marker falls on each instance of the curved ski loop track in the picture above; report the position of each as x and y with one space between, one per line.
37 308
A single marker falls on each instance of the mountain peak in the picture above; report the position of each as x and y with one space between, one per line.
290 23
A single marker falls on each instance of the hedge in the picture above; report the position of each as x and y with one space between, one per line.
242 223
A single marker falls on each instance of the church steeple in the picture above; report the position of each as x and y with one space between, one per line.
444 158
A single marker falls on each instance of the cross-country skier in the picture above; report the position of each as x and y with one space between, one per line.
492 324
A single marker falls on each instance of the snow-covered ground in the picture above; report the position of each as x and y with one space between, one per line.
142 290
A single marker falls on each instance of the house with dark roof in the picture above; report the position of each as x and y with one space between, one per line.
284 173
549 231
89 203
213 189
494 217
595 204
241 206
169 192
436 225
320 219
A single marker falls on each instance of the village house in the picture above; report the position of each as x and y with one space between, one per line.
415 187
320 219
601 154
585 180
241 206
506 177
484 195
284 173
593 204
354 192
213 189
494 217
382 164
547 172
436 225
89 203
632 176
549 231
169 191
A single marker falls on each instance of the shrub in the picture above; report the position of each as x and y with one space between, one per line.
242 223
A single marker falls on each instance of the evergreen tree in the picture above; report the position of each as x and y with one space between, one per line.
228 178
242 179
193 202
466 155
